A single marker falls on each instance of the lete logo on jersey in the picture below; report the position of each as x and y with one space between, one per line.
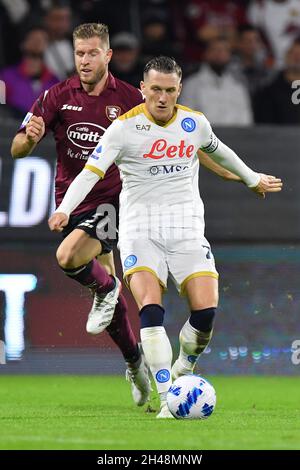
161 149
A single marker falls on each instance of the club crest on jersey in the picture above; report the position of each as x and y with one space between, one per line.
188 124
113 112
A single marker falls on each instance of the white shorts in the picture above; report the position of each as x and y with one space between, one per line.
183 259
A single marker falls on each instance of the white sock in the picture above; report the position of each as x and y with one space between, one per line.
158 354
192 344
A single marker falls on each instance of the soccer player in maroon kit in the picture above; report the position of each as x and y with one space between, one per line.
77 111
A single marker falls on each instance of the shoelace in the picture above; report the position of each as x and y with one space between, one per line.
100 299
131 374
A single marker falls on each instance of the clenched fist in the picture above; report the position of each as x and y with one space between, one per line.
35 129
58 221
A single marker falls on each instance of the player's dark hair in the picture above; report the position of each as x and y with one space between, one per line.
163 64
90 30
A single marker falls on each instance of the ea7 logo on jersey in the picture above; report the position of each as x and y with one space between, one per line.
113 112
143 127
71 108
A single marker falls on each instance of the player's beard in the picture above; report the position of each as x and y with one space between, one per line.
96 78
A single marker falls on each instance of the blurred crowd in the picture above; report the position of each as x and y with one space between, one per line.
239 57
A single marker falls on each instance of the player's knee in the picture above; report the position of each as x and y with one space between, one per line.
203 302
66 257
152 315
203 320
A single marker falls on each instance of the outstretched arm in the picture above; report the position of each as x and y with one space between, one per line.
228 159
206 161
77 191
267 183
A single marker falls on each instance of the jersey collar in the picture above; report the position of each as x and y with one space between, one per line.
159 123
111 82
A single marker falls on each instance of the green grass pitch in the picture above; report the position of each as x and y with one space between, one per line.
68 412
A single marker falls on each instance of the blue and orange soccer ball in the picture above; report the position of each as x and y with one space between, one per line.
191 397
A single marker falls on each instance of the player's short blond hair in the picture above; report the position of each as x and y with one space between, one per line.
90 30
163 64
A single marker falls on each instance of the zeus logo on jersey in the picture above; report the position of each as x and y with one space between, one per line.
161 149
71 107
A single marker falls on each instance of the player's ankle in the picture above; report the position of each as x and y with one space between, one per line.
184 362
163 398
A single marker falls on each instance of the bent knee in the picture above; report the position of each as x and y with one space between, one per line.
66 257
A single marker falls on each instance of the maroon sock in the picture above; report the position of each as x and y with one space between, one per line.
121 332
92 275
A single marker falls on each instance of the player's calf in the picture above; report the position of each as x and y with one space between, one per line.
194 336
92 275
157 348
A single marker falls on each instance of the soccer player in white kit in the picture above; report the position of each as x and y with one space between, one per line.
161 229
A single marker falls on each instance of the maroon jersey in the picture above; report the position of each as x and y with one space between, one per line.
78 120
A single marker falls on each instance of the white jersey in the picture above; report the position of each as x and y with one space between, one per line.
159 170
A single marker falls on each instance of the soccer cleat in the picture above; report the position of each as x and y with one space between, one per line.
140 382
103 309
164 412
178 370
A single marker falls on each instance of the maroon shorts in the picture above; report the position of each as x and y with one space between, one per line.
98 226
